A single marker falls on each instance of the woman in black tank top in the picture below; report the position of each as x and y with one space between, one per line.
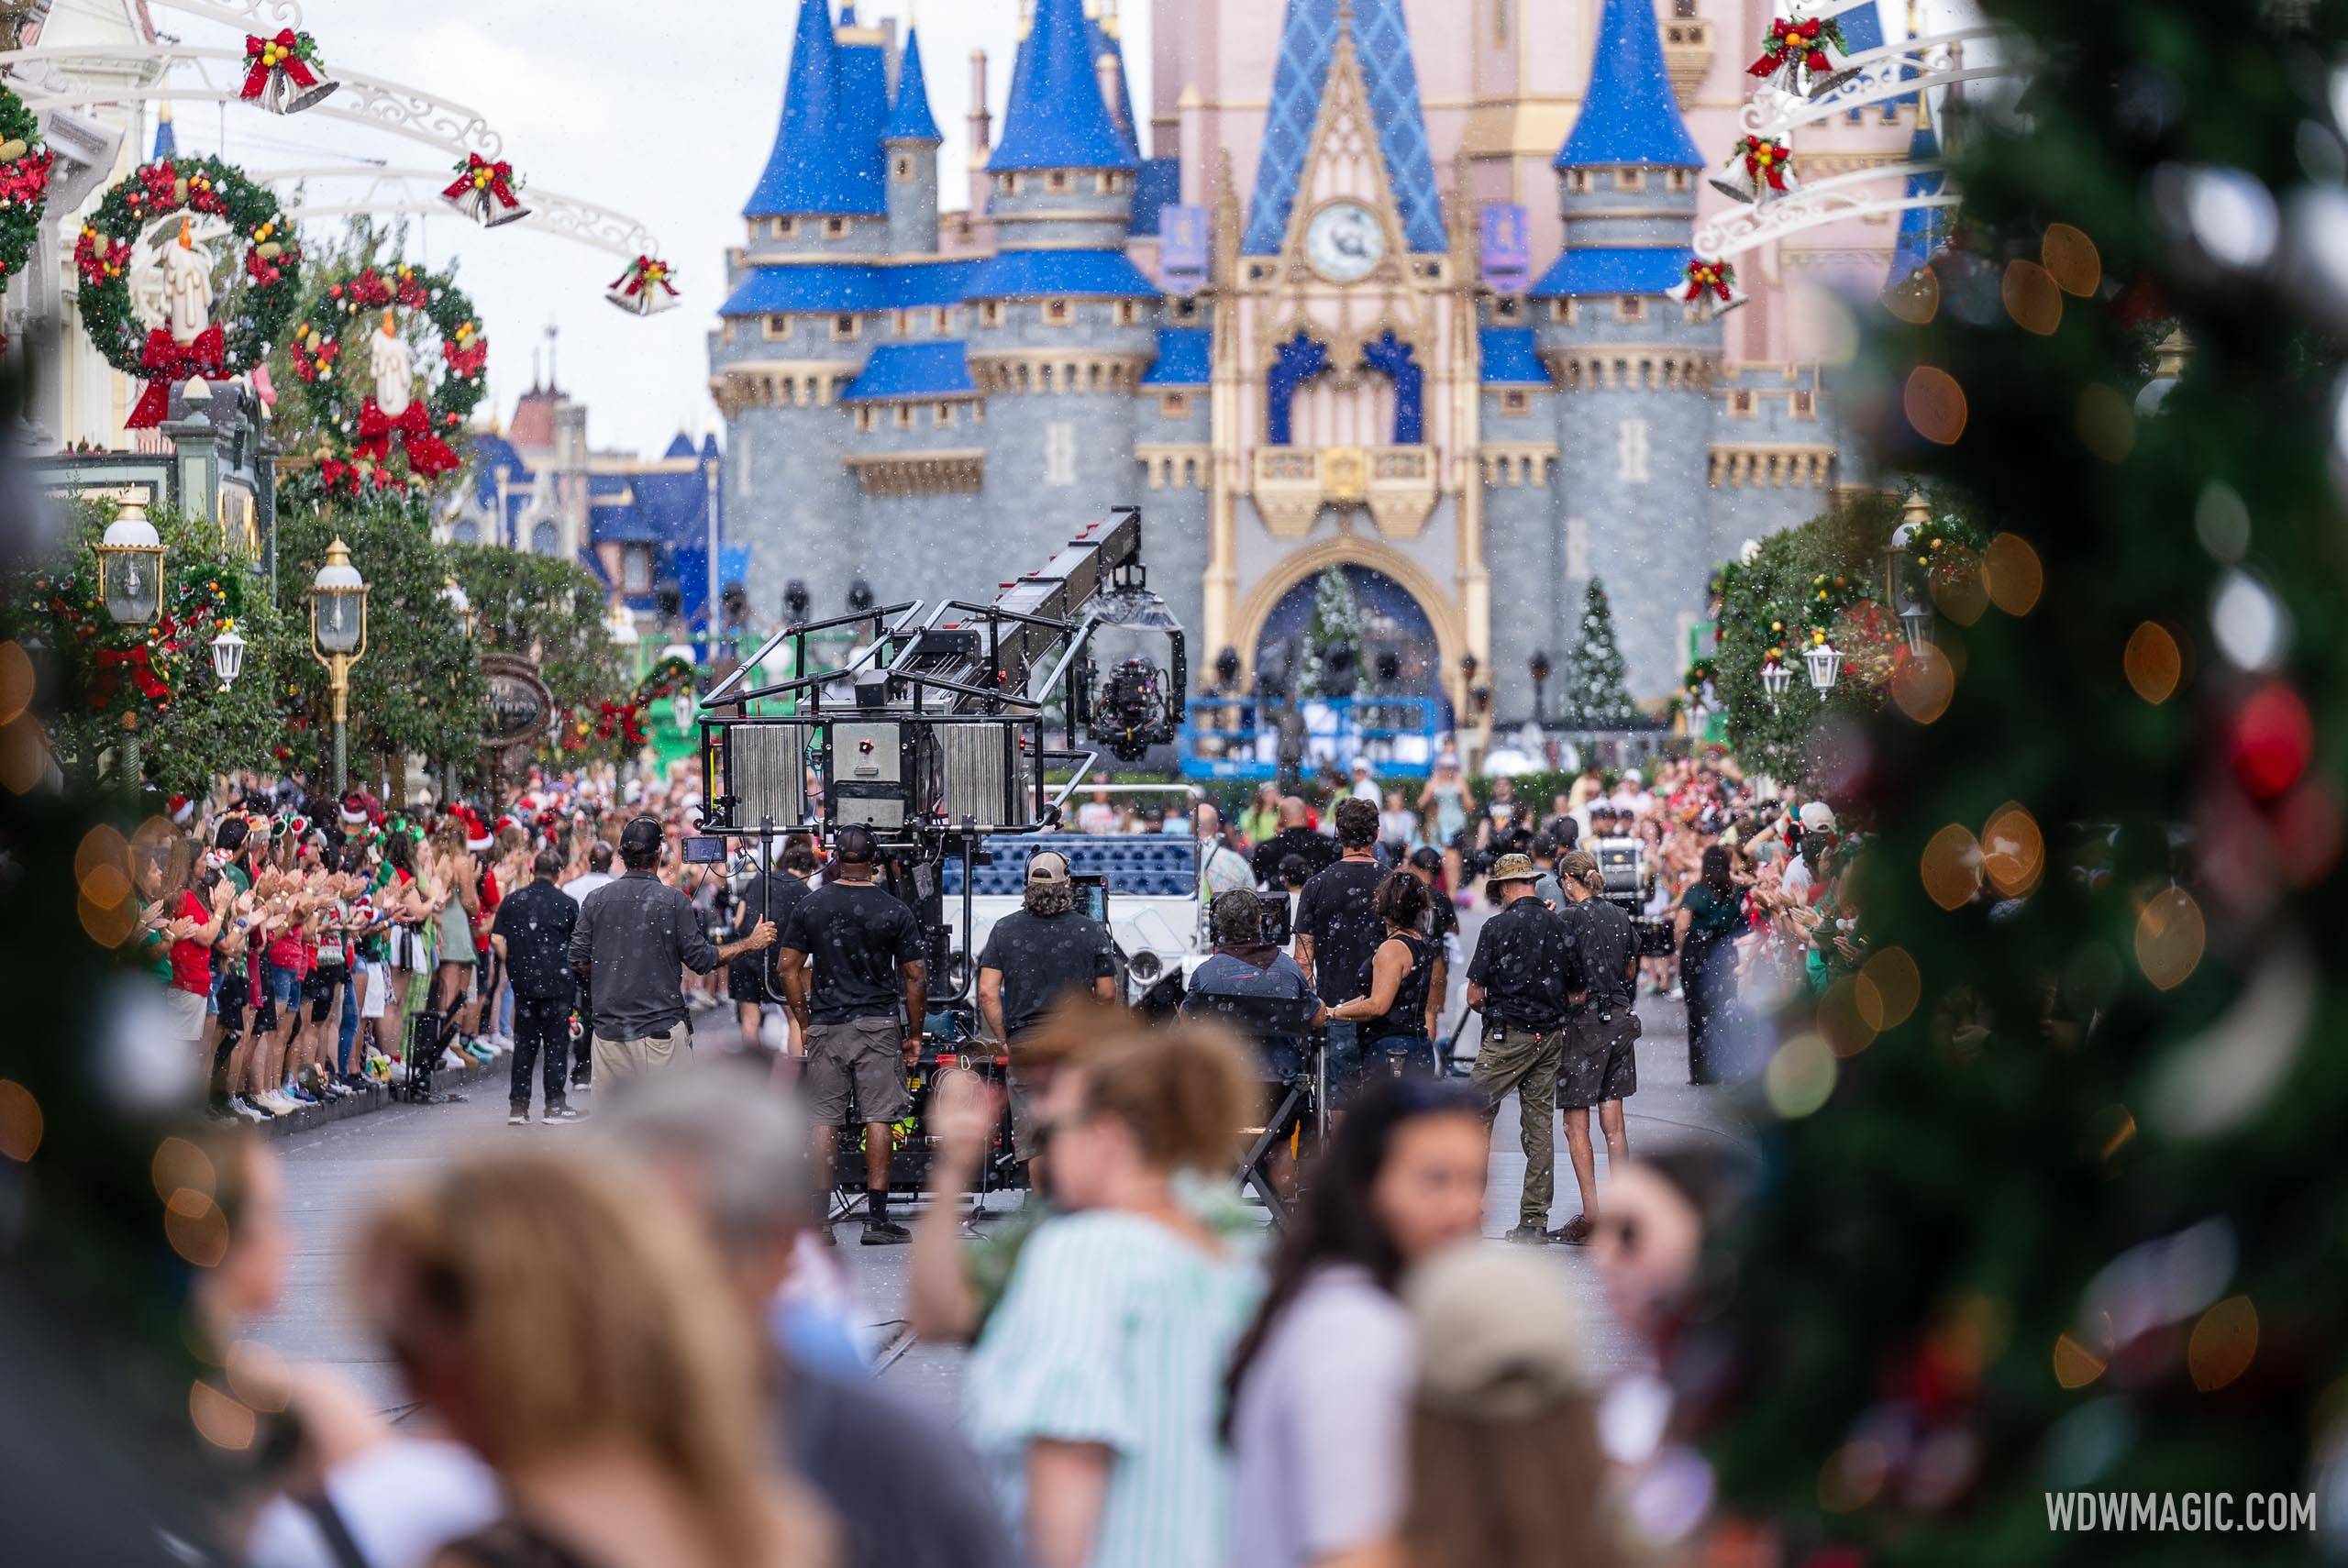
1393 1007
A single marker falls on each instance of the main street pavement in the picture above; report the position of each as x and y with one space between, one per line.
338 1171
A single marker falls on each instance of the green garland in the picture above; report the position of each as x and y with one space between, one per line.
24 183
330 340
271 266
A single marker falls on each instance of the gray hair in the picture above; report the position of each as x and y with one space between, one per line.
744 1141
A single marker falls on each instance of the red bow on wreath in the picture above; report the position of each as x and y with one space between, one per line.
480 174
1717 278
27 179
167 364
282 55
1790 41
335 474
427 455
466 360
150 685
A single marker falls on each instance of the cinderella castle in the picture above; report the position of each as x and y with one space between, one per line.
1299 329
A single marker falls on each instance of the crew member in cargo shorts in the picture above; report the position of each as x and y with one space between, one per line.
850 952
1600 1066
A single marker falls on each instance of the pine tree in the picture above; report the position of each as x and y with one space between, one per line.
1332 661
1598 690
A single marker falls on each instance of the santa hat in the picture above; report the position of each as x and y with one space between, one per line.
183 811
216 858
354 810
477 837
506 822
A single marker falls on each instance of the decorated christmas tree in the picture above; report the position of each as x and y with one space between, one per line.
1332 661
1598 691
2054 1197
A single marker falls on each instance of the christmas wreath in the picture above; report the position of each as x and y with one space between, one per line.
134 672
330 478
327 358
24 183
131 215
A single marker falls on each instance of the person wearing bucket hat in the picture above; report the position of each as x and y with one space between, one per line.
1505 1463
1524 969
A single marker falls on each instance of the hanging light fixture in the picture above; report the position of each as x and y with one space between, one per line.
227 657
461 604
130 567
1775 678
1825 662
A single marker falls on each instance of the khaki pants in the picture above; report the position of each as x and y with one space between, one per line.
1516 1057
616 1061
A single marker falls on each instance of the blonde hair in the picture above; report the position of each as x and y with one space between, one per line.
1186 1091
580 1309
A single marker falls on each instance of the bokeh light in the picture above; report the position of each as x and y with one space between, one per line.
194 1226
2071 259
1936 405
1852 1476
1917 300
179 1164
2153 663
259 1375
2013 851
2249 623
2032 297
2224 1342
20 1121
2076 1366
1952 867
1957 589
2116 1131
2170 936
2012 573
2107 423
1899 985
1922 685
220 1418
24 755
16 681
1850 1015
1801 1076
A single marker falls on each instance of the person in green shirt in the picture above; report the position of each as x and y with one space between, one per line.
1711 912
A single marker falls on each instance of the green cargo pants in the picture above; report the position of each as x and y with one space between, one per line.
1517 1057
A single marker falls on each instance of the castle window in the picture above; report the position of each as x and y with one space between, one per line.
782 228
990 313
901 323
1007 184
1568 311
833 227
945 416
1805 405
1058 312
1504 309
1632 307
864 419
1515 401
636 570
1684 10
904 416
1128 311
941 321
901 168
1109 182
1186 308
846 329
1056 181
1175 405
978 413
1630 178
776 328
1577 181
1676 180
1741 404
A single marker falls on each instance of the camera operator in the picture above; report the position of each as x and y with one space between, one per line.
1245 965
1600 1066
633 938
1338 930
1294 838
1034 956
768 894
1524 969
866 945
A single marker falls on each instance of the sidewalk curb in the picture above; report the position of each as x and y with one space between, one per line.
374 1098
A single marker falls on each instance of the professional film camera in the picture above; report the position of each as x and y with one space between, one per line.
935 734
1630 884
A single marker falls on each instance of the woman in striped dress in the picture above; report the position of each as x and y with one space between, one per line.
1095 1390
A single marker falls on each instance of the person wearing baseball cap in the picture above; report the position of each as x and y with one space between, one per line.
1037 956
1525 968
866 952
633 937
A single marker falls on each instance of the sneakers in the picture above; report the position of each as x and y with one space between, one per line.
1530 1235
561 1114
452 1062
518 1119
1574 1232
251 1110
885 1234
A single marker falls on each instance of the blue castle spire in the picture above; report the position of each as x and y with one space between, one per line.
911 120
167 140
814 168
1057 118
1919 227
1629 117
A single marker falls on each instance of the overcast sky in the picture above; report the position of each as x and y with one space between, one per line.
663 112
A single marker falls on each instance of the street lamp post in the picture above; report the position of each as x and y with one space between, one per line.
1539 666
227 657
130 581
1915 617
1775 678
1825 662
339 640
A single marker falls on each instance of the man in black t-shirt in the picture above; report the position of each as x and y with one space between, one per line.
1599 1066
1039 954
1524 970
1337 928
865 948
532 939
1293 838
771 894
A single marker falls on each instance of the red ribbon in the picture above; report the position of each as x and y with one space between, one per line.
639 274
1702 281
427 455
167 364
467 360
142 670
1774 170
501 175
257 75
1798 39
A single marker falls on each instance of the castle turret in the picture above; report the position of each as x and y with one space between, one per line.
822 187
1635 367
1061 324
912 142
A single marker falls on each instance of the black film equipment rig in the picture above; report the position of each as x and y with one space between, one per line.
933 734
